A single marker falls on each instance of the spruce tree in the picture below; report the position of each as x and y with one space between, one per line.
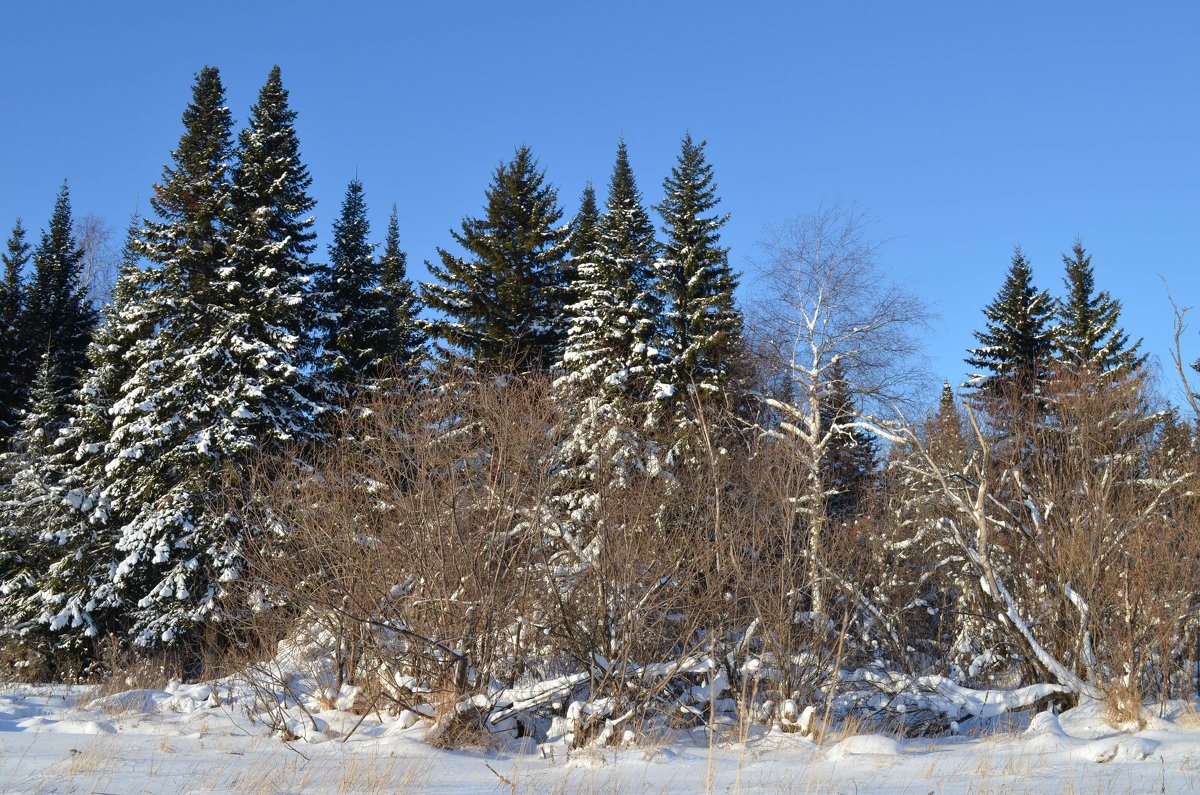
161 465
608 382
609 352
1017 346
850 459
1089 337
14 361
946 428
703 327
75 561
585 231
271 235
407 341
369 309
58 318
582 240
269 316
351 354
32 476
498 301
222 379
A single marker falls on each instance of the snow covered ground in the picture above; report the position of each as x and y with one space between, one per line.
194 738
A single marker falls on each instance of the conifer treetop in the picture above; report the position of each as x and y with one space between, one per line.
1089 335
1019 336
497 301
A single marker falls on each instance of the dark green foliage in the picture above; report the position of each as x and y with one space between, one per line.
272 230
585 228
848 466
498 302
607 389
369 307
704 327
223 377
15 372
628 249
77 562
1017 346
1089 336
32 473
609 355
407 341
352 351
159 465
585 236
192 198
58 318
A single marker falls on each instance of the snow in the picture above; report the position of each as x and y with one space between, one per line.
215 737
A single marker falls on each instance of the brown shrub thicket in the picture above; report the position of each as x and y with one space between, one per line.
422 558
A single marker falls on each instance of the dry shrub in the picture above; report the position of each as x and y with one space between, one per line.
1123 704
424 557
399 548
1070 510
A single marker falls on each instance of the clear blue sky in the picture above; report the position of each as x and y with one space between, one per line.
964 128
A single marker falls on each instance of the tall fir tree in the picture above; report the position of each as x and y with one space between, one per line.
609 352
1016 348
498 301
703 333
271 238
351 352
581 242
585 230
58 317
407 341
608 383
14 361
30 471
161 466
79 547
945 430
223 379
1089 335
849 464
369 310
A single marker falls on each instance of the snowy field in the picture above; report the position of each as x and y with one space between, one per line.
197 738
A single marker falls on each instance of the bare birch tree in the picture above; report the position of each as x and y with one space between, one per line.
828 304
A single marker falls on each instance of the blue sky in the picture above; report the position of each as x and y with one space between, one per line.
963 128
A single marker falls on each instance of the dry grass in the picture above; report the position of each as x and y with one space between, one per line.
1189 716
362 773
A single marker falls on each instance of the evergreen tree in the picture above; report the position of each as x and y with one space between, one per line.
58 318
609 351
609 364
370 311
498 301
585 231
352 322
222 379
407 341
1089 336
14 360
703 333
272 237
1017 346
849 464
31 472
584 237
161 465
74 560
